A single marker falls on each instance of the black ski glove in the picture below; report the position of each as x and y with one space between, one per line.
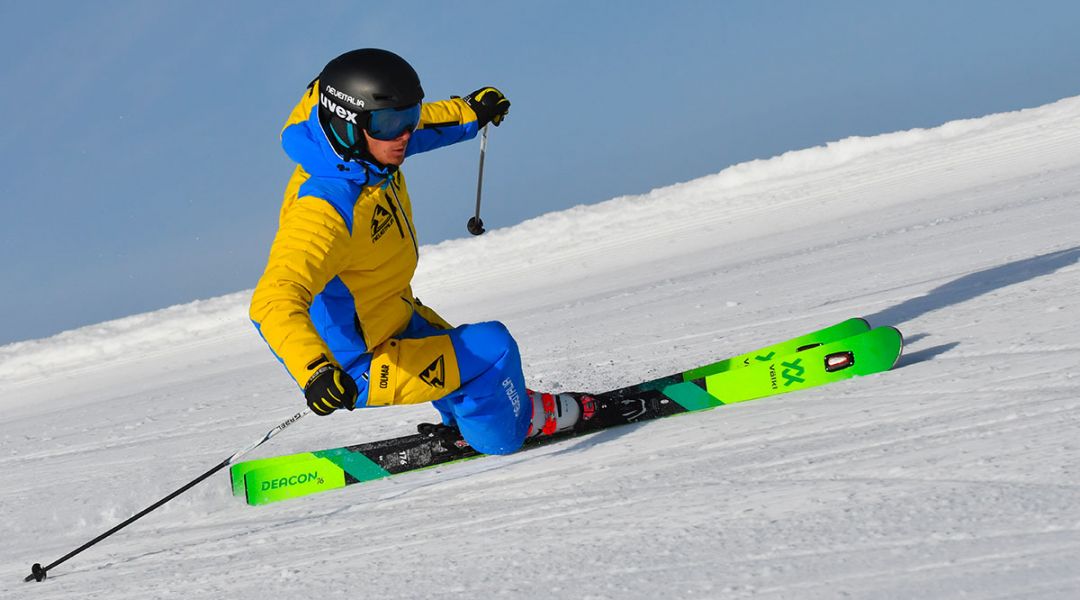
489 104
329 389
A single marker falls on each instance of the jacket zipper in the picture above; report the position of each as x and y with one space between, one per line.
395 209
397 217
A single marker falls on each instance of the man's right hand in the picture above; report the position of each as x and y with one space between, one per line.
329 389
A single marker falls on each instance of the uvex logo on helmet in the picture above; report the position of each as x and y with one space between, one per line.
337 109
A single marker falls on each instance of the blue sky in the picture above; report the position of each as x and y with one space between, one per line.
140 150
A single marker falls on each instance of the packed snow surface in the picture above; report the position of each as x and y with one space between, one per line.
955 475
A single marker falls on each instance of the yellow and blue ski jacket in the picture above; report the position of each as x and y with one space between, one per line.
337 282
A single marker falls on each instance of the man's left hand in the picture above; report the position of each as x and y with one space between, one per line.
489 104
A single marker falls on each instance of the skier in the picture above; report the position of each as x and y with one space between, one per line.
335 303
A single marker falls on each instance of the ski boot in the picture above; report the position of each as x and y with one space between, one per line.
556 413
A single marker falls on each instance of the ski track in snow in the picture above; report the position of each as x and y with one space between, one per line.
955 475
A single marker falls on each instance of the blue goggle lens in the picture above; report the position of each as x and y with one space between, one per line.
389 123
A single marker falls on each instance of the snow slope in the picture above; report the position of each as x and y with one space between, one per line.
957 474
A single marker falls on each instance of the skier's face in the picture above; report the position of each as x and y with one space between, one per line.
389 152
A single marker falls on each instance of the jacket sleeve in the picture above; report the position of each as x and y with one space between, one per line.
443 123
308 251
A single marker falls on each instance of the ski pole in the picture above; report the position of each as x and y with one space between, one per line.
38 572
476 224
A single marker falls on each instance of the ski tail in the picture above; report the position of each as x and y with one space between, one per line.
273 479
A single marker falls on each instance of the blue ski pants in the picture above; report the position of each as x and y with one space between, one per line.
471 374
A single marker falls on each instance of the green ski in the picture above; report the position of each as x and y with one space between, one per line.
838 352
839 331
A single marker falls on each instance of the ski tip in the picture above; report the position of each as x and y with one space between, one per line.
900 342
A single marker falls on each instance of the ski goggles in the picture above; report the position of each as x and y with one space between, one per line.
389 123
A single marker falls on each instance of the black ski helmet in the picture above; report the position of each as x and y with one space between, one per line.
356 83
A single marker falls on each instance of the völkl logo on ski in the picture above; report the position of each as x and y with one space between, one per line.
793 372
